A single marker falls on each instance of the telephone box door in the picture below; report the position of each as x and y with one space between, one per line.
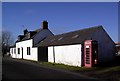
87 53
90 53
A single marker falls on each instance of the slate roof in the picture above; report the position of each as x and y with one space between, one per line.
32 34
74 37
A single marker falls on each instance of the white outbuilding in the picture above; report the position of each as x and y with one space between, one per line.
13 51
86 47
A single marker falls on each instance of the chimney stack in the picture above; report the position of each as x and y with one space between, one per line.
45 25
25 31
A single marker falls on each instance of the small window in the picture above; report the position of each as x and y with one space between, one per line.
28 50
14 50
18 50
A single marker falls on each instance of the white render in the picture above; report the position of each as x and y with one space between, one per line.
30 43
13 52
24 45
67 54
50 54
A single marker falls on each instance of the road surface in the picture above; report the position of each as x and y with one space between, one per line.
26 70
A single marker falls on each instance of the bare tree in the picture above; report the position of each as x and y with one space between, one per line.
7 41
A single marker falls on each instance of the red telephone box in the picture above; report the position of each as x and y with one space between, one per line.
90 53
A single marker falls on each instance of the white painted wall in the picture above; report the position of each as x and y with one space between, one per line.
32 56
67 54
24 45
50 54
12 52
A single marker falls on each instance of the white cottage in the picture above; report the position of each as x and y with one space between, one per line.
86 47
13 51
25 44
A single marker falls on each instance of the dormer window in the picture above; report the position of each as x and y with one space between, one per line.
75 36
60 38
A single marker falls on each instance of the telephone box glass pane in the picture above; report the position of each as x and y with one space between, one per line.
87 56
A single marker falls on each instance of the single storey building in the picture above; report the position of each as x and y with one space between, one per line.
85 47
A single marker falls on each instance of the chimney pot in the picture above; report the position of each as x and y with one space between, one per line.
25 31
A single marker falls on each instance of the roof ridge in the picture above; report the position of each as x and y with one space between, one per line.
80 30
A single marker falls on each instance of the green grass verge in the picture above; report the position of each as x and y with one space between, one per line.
105 73
66 67
109 69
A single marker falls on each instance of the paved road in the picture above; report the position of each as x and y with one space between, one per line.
23 70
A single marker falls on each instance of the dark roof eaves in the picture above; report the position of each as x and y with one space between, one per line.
23 40
57 45
37 31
